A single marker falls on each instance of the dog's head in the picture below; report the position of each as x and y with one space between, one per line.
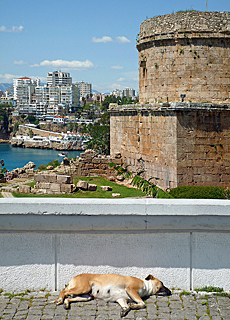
158 287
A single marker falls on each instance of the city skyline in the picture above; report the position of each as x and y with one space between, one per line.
94 41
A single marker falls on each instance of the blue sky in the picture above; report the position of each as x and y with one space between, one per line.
93 40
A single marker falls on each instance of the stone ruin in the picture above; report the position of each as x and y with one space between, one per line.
28 169
60 181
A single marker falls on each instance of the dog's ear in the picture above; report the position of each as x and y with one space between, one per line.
150 277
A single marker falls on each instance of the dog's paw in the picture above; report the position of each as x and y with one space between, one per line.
137 306
124 312
58 301
66 305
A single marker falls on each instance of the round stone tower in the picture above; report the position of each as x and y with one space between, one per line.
185 57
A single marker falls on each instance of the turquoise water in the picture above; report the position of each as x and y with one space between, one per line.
15 157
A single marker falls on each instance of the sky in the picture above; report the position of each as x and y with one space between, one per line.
93 40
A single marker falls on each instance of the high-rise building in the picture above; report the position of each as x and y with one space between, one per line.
58 78
128 92
42 94
54 95
85 89
23 89
70 97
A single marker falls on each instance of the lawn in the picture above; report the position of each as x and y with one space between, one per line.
124 191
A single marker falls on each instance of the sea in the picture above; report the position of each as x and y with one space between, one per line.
16 157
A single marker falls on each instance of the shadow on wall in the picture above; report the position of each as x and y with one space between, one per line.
151 250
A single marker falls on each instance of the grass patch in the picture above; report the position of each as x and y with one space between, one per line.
210 289
31 184
12 295
187 192
124 191
185 293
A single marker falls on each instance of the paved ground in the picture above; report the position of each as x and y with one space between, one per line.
7 194
39 306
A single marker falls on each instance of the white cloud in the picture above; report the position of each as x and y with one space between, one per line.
121 79
104 39
117 67
20 63
66 64
8 77
13 29
122 39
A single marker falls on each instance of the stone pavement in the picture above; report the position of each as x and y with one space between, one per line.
7 194
39 306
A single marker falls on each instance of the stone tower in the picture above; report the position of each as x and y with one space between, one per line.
185 56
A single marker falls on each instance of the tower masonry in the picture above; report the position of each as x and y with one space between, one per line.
185 56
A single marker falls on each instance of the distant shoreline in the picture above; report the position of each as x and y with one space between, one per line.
4 141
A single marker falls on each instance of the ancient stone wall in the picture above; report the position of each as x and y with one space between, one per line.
176 144
185 53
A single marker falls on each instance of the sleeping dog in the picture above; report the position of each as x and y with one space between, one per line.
112 288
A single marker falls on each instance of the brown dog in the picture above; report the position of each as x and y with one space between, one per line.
113 288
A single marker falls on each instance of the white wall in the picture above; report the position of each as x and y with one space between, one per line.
44 242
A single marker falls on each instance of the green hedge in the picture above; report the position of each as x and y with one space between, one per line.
187 192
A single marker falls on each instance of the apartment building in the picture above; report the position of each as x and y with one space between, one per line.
128 93
42 94
58 78
24 88
117 93
70 97
85 89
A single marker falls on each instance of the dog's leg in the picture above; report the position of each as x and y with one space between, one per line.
61 298
76 299
80 290
124 306
135 297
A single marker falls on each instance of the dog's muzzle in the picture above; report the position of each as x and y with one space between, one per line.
164 291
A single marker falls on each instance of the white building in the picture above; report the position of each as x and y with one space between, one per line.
58 78
117 93
24 88
85 89
70 97
42 94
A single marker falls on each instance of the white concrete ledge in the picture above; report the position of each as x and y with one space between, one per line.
46 241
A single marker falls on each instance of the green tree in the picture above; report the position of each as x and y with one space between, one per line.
31 118
107 101
99 135
5 111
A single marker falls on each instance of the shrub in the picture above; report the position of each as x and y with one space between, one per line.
54 163
198 192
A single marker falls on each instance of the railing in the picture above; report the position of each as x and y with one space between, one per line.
46 241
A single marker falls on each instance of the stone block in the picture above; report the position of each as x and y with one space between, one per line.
92 187
29 171
55 187
82 185
38 177
43 185
63 179
51 178
67 188
106 188
116 195
24 189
